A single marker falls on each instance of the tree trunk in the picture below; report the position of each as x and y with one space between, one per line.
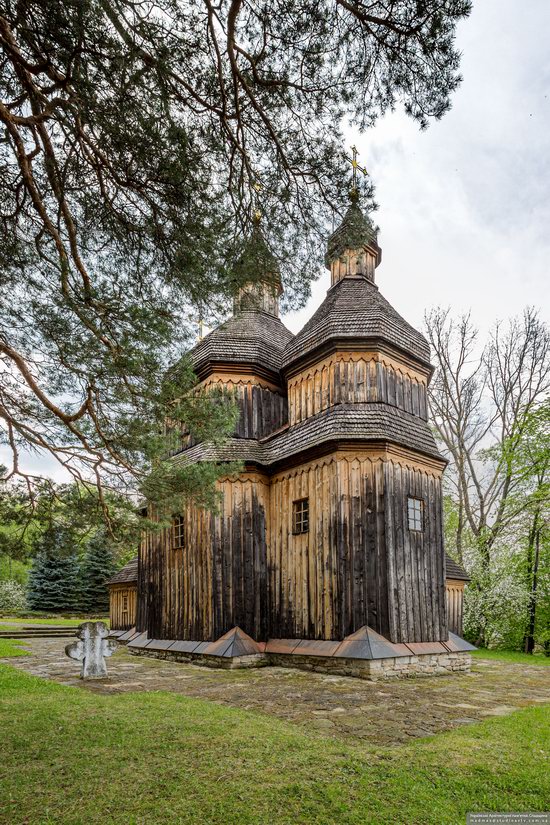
533 552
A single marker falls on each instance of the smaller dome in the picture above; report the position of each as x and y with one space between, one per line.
355 233
251 338
256 277
355 311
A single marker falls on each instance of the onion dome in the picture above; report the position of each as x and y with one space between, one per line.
254 336
353 248
354 312
256 275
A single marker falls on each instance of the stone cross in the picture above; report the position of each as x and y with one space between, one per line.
91 649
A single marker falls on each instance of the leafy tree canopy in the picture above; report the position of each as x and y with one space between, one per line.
132 133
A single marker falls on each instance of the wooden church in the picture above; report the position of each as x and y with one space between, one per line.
327 550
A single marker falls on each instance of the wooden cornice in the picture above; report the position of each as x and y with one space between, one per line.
367 345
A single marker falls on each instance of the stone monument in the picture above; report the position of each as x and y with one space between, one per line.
92 648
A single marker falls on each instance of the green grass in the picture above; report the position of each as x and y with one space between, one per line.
72 756
30 621
511 656
10 647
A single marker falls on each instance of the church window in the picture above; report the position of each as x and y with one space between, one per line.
178 532
300 515
415 509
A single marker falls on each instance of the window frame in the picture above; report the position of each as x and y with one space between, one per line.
178 532
300 516
417 514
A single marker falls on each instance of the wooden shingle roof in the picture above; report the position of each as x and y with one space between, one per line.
251 337
343 422
126 575
355 309
453 570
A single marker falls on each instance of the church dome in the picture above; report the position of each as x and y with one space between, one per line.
355 232
354 310
251 337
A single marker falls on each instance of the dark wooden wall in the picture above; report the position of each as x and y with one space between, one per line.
357 377
454 591
219 579
358 564
119 596
416 579
262 411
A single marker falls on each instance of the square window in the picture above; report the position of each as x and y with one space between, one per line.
415 510
300 516
178 532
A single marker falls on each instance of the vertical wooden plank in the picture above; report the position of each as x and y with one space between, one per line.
328 568
402 600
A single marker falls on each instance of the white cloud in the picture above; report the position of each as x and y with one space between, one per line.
464 208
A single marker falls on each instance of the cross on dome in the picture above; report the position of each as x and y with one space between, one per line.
355 168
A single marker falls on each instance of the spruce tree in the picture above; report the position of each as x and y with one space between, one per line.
98 566
54 577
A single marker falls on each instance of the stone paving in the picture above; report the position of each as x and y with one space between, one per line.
378 712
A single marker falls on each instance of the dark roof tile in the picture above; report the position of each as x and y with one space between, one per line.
354 308
251 337
365 422
128 574
453 570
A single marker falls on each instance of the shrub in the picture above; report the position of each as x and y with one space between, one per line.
12 597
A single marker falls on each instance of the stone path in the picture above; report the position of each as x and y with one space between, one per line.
378 712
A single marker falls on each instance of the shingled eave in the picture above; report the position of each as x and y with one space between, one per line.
252 337
355 311
126 575
365 423
453 570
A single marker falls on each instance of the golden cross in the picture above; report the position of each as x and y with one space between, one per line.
257 186
355 166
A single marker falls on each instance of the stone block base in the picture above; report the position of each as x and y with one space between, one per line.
364 654
402 667
233 663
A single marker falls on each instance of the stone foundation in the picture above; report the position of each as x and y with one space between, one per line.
401 667
364 654
232 663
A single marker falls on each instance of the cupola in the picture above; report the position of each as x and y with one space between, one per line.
257 277
352 250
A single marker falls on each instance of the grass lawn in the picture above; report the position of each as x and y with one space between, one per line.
29 622
10 647
512 656
72 756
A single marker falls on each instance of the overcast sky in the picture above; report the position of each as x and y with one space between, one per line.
464 207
